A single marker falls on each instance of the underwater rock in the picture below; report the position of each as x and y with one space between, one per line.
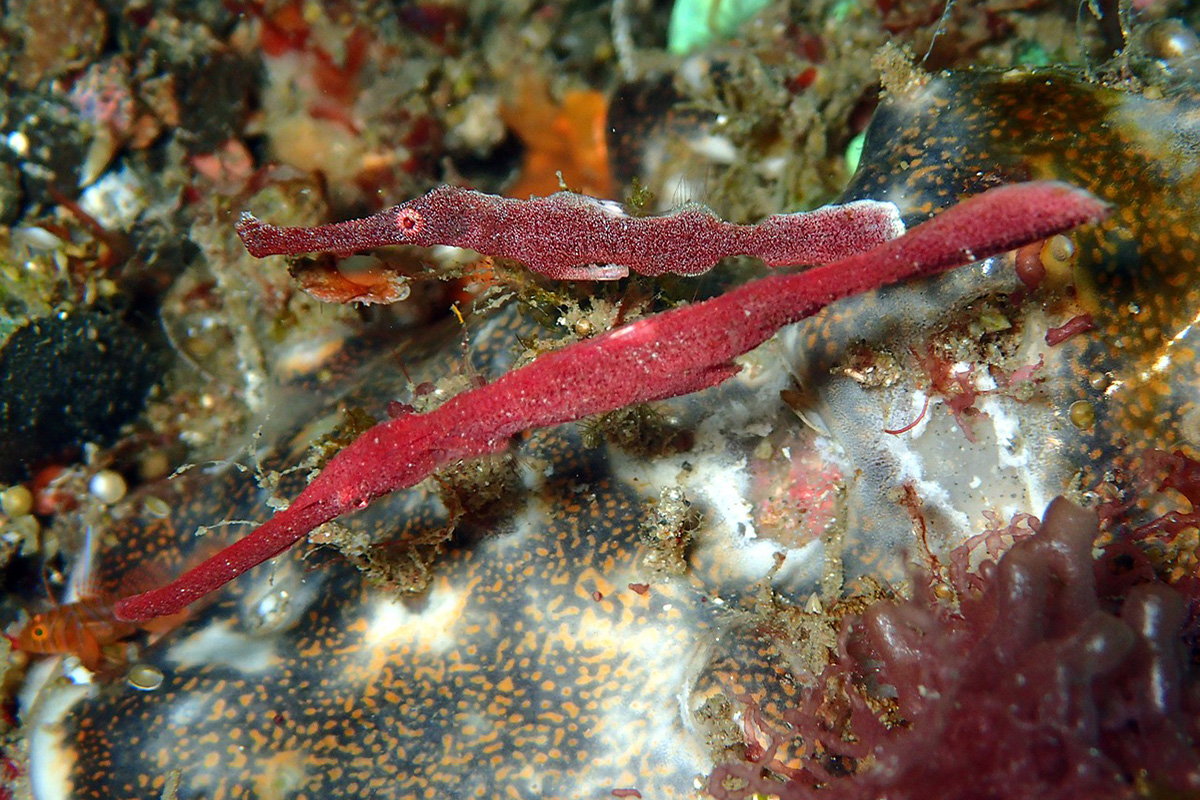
51 39
66 380
10 193
987 409
47 144
959 133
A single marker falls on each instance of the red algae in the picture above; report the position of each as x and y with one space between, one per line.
1064 677
1080 323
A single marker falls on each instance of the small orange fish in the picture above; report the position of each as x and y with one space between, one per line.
88 625
83 628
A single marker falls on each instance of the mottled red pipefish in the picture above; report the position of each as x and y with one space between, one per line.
667 355
569 236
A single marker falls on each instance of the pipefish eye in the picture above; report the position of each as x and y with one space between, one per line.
410 222
39 632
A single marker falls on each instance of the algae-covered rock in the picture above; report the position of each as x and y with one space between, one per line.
66 380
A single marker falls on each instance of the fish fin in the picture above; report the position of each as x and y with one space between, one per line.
89 652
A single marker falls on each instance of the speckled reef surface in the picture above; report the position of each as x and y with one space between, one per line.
1094 401
1134 273
613 608
544 659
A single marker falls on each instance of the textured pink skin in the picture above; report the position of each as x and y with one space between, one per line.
562 235
667 355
